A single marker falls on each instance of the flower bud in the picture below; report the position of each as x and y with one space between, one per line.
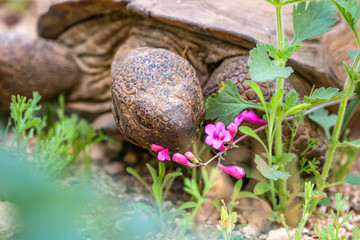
234 171
156 148
179 158
232 128
191 157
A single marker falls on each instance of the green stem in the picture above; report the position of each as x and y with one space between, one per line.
336 135
278 128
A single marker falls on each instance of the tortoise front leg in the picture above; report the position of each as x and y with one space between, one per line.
28 65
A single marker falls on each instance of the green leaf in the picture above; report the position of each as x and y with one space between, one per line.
257 90
315 19
353 74
157 192
237 189
226 105
169 176
144 207
246 194
281 55
322 95
325 120
269 172
286 158
353 144
261 188
153 173
291 99
352 54
353 179
251 133
135 174
262 68
180 210
350 10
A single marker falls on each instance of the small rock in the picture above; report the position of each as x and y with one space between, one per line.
251 230
356 219
348 226
322 209
130 158
114 168
8 223
279 234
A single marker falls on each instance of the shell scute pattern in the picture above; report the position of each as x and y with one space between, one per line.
163 95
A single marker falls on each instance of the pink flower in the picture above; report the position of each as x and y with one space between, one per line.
249 116
217 135
232 128
163 153
190 155
179 158
234 171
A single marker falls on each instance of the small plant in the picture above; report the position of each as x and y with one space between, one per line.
308 198
58 144
227 221
332 230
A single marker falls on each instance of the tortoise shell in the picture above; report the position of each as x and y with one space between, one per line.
319 61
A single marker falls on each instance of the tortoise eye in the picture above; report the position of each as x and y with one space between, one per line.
145 123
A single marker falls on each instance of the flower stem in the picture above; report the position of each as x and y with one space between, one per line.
278 128
336 134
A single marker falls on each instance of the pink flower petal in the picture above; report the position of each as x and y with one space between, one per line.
232 128
251 117
164 155
209 140
220 126
238 120
227 136
234 171
190 155
217 143
179 158
210 129
156 148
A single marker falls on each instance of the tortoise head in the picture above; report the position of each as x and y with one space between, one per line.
157 99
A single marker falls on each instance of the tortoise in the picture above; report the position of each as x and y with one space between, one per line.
152 63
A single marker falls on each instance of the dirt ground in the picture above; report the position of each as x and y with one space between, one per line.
24 21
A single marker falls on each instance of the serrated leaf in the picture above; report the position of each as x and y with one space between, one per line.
353 179
353 74
262 68
315 19
226 105
350 10
325 120
281 55
269 172
286 158
261 188
322 95
353 144
291 99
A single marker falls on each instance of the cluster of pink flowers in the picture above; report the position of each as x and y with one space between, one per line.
163 154
218 136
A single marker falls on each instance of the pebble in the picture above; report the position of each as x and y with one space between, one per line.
8 224
130 158
348 226
114 168
279 234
